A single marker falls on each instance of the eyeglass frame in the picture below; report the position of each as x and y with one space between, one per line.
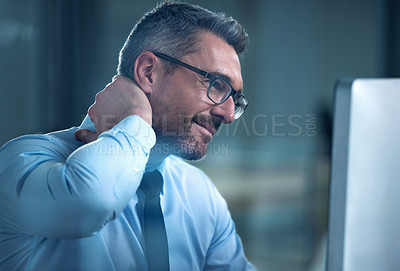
212 78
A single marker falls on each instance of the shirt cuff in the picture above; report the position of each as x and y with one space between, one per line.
135 127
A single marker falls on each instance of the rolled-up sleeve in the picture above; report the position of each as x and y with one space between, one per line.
46 189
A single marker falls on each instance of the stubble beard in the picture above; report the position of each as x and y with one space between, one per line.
181 141
174 132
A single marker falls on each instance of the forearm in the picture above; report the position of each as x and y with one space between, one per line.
77 196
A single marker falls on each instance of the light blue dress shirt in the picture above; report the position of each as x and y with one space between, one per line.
69 206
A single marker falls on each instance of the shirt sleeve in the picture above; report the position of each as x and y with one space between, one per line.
50 192
226 250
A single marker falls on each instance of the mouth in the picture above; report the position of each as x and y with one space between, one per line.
207 126
207 129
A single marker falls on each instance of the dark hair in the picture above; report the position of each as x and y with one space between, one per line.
174 28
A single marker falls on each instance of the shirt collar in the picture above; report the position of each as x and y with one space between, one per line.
87 124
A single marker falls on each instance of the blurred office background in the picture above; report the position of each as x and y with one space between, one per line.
272 166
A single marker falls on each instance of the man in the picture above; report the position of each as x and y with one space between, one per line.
75 199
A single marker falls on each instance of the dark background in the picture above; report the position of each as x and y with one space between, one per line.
272 165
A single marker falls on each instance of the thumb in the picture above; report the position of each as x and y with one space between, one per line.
85 136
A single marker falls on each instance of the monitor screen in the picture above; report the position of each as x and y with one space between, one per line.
364 211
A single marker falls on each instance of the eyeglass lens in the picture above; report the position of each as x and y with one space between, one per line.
240 106
220 90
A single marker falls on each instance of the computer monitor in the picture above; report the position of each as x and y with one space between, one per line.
364 207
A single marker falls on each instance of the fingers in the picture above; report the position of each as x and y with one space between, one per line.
119 99
85 135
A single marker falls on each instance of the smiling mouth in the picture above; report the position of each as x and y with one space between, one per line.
207 125
206 129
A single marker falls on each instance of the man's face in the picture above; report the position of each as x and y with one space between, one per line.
184 118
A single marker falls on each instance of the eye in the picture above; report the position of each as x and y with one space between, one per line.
219 85
216 85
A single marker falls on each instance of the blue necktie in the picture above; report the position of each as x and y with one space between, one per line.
153 224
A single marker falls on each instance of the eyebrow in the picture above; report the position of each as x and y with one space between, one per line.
227 77
195 69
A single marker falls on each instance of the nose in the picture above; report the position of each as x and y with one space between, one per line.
225 111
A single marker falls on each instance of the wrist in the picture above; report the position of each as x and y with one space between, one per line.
145 114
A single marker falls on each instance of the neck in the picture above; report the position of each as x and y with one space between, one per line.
157 155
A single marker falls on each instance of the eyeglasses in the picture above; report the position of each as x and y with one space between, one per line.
219 90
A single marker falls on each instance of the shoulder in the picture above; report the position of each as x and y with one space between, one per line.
185 171
60 143
194 183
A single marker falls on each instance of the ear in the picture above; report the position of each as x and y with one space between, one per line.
146 71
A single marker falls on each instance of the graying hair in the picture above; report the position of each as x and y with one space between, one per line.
174 28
